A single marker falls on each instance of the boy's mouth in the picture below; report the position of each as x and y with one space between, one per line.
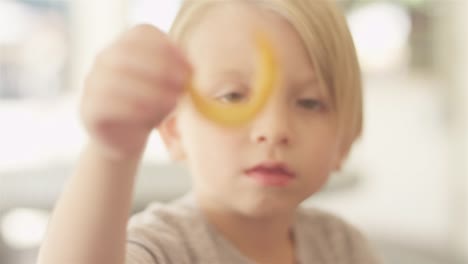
271 174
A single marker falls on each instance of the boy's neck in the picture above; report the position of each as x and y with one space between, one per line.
263 240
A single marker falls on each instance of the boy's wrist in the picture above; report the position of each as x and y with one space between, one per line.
105 153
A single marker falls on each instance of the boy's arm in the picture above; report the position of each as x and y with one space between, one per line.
89 222
133 85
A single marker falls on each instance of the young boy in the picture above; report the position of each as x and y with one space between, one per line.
248 181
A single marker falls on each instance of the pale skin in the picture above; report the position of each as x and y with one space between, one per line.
133 87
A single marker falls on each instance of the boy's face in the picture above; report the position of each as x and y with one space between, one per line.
296 131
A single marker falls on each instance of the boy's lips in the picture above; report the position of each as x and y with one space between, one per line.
271 173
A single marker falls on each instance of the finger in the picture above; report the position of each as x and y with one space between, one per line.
159 69
140 102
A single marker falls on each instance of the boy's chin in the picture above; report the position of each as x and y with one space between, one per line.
266 209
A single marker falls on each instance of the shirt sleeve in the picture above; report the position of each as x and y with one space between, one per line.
138 253
359 246
153 238
333 240
351 246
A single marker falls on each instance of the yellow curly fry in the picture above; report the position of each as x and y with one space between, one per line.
241 113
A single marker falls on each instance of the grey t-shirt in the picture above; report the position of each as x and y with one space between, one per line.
177 233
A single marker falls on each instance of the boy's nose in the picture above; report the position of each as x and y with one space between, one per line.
268 138
271 127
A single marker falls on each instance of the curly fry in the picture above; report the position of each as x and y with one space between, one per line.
242 113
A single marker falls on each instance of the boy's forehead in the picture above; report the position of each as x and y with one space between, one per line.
225 30
224 39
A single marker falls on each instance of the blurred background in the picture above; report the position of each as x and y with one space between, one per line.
405 185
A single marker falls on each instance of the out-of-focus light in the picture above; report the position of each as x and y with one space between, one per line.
415 2
156 151
14 22
24 228
381 31
158 13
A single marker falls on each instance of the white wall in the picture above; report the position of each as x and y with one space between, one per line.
461 85
451 49
94 24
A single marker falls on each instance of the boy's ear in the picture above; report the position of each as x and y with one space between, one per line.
338 165
342 155
170 135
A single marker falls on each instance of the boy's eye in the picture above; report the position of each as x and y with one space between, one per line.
231 97
310 104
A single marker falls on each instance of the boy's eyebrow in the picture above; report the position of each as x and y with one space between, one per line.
219 77
310 84
306 82
232 74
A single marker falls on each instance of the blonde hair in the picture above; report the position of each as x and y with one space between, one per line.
326 36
